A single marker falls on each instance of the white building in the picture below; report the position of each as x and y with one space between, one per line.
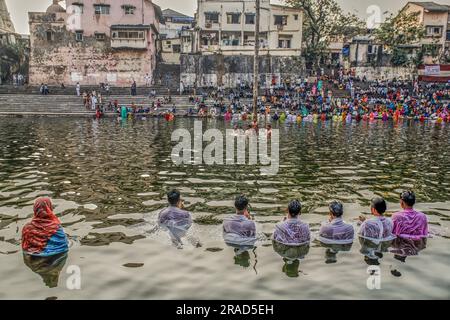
436 20
171 29
228 26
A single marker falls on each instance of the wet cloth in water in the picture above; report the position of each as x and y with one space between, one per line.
336 232
44 235
176 220
292 232
377 229
238 230
410 224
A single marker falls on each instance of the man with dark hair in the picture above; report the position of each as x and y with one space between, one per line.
175 218
240 229
336 231
292 231
409 223
378 228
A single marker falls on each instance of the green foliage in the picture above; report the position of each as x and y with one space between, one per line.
14 58
403 28
399 58
324 20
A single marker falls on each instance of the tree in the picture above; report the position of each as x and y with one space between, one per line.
324 20
14 58
399 30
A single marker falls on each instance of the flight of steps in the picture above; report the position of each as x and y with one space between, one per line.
71 90
16 104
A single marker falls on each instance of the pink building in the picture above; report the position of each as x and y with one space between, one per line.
94 41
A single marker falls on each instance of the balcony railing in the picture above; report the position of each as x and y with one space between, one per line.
129 43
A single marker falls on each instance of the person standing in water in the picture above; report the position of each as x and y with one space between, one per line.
292 231
174 218
336 231
240 229
409 223
378 228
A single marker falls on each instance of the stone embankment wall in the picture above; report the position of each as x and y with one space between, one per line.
217 69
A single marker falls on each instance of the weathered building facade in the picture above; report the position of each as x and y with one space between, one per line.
229 26
7 32
175 23
219 50
435 18
92 42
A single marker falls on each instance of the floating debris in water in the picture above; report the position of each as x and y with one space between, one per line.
133 265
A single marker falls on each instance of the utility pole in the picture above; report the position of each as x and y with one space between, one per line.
256 62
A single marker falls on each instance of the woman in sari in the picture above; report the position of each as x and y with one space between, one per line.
44 236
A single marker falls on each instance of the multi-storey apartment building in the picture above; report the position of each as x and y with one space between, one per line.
228 26
93 41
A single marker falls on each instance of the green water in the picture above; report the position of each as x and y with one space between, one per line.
108 182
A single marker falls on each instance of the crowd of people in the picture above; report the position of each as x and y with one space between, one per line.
343 98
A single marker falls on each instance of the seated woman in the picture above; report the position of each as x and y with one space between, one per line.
292 231
379 228
336 231
44 235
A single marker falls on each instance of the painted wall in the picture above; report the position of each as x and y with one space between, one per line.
90 61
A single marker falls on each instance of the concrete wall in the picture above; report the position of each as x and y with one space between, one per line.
383 73
90 62
229 70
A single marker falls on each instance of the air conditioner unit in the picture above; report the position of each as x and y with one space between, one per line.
280 27
208 25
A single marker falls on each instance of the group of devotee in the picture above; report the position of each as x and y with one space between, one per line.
305 101
44 235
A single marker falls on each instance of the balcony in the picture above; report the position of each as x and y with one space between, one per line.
129 44
129 36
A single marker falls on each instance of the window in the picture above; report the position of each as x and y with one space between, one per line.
128 9
249 18
212 17
128 34
77 8
295 17
79 36
434 31
280 20
50 36
100 36
448 35
233 18
101 9
284 43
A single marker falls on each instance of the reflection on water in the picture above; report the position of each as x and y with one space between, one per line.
49 268
291 257
108 181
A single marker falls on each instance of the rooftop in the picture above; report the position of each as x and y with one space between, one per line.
432 6
174 14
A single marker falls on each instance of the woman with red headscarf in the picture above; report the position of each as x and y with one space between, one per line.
44 236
